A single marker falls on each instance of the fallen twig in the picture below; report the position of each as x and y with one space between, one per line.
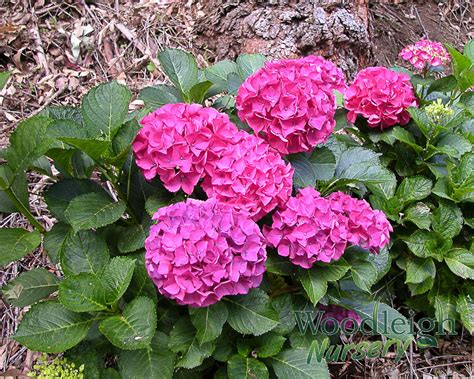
128 34
49 100
425 32
39 47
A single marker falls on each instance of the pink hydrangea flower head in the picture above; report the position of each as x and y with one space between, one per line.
367 227
325 72
426 53
250 176
199 251
178 141
339 314
307 230
311 228
381 96
290 103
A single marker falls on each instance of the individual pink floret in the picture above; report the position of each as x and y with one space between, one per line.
199 251
250 176
426 53
381 96
290 103
178 141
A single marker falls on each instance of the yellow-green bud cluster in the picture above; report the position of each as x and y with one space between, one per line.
58 368
437 111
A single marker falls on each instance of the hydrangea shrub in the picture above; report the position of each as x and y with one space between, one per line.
190 232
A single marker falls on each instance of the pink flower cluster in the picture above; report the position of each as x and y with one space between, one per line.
368 228
184 143
307 230
426 53
312 228
179 141
250 176
381 96
198 252
290 103
339 314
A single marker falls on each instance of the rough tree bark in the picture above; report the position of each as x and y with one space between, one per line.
336 29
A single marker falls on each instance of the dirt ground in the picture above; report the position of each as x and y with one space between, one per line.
57 50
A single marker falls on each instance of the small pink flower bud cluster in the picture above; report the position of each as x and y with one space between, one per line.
426 53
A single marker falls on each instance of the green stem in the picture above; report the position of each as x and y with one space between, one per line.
121 195
24 210
455 96
333 186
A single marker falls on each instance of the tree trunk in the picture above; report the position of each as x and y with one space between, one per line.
335 29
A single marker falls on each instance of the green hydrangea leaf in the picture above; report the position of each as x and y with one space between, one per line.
333 271
93 210
180 67
133 237
134 328
239 367
461 262
30 287
465 308
60 194
418 270
419 214
283 304
15 243
217 74
159 95
29 141
141 284
84 251
358 164
445 308
422 243
447 220
421 288
55 239
292 364
364 275
314 284
209 321
183 340
104 109
51 328
309 168
251 313
116 277
247 64
413 189
155 362
83 293
269 344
